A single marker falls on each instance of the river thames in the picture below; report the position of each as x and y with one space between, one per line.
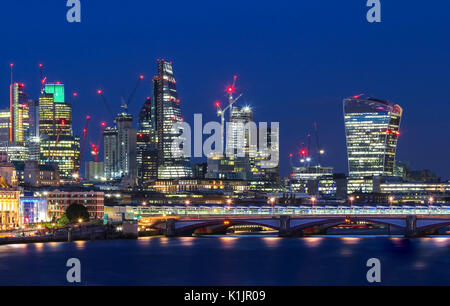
230 260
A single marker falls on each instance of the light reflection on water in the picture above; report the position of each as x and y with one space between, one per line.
271 241
313 241
237 260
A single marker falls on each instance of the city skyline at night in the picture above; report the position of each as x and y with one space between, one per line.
224 152
289 71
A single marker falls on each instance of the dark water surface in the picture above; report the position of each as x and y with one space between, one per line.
256 260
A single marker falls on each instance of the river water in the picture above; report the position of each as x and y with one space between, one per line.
230 260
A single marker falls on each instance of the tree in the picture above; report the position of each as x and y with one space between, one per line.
77 211
63 221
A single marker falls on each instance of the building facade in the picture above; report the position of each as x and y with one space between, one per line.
372 129
58 201
57 144
19 114
111 153
9 208
146 151
168 113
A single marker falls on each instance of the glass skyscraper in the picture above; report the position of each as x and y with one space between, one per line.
57 142
372 129
19 114
147 154
168 112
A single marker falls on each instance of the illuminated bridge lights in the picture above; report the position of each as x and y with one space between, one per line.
290 210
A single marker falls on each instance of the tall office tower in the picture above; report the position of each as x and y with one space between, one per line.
4 124
33 114
372 129
167 109
19 115
239 136
57 143
267 160
146 152
127 145
55 115
111 153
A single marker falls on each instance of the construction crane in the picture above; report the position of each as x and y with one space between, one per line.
43 78
83 143
303 152
126 103
96 147
100 93
221 111
320 151
308 150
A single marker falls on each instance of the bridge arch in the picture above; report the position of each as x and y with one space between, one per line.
326 223
225 223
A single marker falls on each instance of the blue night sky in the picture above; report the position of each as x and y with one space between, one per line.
295 61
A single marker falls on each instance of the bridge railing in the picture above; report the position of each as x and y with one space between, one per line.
258 211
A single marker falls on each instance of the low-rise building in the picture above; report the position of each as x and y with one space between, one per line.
33 209
58 201
9 208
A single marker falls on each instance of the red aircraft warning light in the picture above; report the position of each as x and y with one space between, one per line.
303 152
141 77
217 104
103 123
99 91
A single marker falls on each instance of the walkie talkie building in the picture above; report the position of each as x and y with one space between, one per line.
372 129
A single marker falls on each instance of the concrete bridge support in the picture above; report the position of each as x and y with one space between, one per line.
170 228
285 226
411 228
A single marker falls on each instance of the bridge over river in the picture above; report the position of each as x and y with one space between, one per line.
292 221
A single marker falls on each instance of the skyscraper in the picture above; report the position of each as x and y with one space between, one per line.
167 113
19 113
372 129
111 153
127 145
120 148
4 124
146 152
57 143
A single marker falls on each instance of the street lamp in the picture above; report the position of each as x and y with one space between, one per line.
351 198
80 220
272 202
229 201
391 199
313 200
430 201
186 203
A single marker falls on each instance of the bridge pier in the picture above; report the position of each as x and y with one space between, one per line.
411 227
285 226
170 228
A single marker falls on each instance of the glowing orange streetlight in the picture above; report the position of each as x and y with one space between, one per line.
430 201
391 199
313 200
351 199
